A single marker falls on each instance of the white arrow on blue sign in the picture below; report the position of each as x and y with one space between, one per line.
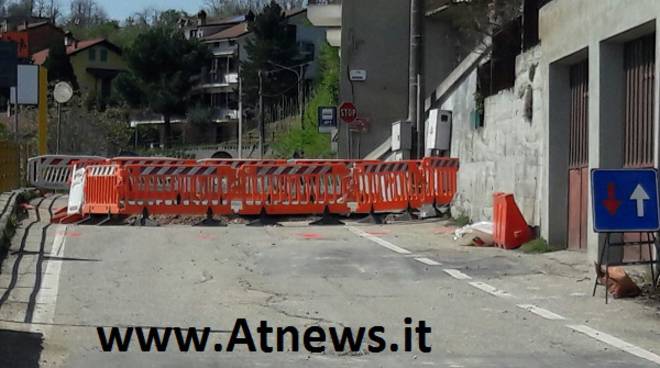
625 200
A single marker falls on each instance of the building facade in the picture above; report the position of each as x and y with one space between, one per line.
378 49
218 83
601 89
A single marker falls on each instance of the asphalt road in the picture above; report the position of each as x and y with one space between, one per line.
295 275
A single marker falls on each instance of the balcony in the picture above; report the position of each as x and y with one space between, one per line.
221 115
327 13
217 80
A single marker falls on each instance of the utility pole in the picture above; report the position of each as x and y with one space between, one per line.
16 135
262 126
240 117
301 95
415 70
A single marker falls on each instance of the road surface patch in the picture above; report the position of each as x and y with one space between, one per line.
379 241
616 342
310 236
541 312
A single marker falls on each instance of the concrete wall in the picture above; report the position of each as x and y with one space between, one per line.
375 37
504 155
569 36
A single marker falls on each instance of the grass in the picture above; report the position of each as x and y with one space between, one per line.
537 246
462 221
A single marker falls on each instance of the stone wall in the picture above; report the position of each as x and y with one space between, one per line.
505 154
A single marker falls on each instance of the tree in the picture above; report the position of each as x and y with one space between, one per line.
162 65
485 18
59 65
224 8
20 9
272 44
86 12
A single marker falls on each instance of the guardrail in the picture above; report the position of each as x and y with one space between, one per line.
9 166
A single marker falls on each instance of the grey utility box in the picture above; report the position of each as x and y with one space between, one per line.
401 136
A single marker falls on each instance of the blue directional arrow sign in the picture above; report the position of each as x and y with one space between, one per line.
625 200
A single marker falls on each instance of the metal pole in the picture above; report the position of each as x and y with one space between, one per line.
16 113
415 63
59 128
301 103
240 117
421 144
262 128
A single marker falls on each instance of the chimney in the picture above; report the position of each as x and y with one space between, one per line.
201 18
68 39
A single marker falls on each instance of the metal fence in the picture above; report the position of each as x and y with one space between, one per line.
13 164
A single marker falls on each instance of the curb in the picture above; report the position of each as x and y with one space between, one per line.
9 212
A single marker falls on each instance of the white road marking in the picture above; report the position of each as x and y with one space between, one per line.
428 261
457 274
541 312
492 290
616 342
44 312
379 241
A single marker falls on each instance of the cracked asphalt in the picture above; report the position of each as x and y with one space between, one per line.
306 276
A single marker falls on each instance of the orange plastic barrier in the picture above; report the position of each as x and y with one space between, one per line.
128 186
439 175
177 189
510 228
387 186
102 187
292 189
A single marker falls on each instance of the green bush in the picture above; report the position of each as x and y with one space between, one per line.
326 93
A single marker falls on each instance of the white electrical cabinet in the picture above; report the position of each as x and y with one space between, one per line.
401 136
438 130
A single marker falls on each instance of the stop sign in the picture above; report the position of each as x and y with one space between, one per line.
347 112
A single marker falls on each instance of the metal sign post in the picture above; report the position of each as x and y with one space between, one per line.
625 201
63 93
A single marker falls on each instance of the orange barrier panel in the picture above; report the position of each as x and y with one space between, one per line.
440 178
510 228
387 186
177 189
293 189
101 191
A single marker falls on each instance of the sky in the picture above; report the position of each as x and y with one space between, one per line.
120 9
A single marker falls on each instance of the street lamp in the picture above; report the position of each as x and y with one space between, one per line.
300 75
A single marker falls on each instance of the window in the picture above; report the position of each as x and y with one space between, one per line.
104 55
92 54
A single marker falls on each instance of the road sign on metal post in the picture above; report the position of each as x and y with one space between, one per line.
327 116
347 112
625 200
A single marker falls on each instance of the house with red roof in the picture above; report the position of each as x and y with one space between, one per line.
96 63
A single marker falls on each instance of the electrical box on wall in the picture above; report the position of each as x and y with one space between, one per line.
438 130
401 136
